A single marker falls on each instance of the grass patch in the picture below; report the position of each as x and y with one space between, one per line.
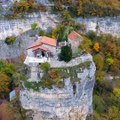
31 85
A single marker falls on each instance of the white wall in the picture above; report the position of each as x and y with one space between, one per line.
75 43
30 53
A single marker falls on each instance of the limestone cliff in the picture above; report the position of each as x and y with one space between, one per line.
73 101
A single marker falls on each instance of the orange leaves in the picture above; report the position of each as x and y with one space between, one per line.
96 47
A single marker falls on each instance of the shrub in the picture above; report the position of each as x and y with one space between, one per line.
10 40
116 92
98 103
41 33
66 53
34 26
53 74
45 66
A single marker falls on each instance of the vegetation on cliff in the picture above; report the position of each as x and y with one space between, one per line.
10 40
88 8
6 74
22 7
106 55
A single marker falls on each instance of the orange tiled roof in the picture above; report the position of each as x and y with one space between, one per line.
43 40
73 35
35 44
40 47
48 41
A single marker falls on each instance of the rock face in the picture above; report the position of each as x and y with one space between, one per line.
18 26
108 25
16 49
72 102
46 21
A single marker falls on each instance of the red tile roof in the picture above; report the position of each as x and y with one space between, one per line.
48 41
73 35
35 44
40 47
43 40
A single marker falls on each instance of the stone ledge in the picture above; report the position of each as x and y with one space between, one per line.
76 61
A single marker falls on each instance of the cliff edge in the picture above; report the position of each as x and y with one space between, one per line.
72 101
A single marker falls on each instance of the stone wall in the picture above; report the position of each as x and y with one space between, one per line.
63 104
54 63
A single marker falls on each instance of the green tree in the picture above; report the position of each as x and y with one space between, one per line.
41 32
66 53
7 68
63 34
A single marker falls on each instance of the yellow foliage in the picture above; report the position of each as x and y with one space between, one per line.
110 61
96 47
116 92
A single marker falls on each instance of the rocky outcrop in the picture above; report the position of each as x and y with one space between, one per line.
72 102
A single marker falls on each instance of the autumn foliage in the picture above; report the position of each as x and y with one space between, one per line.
96 47
53 74
4 84
6 75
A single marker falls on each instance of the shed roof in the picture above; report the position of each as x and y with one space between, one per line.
73 35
